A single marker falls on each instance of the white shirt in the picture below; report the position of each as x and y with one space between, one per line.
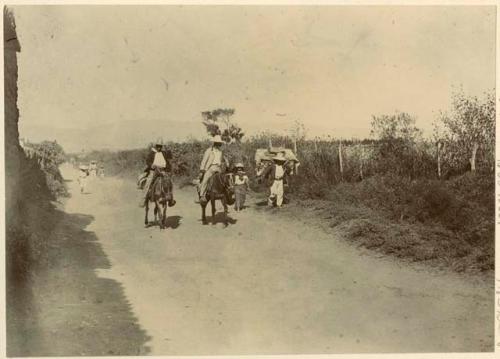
239 181
212 156
217 159
280 171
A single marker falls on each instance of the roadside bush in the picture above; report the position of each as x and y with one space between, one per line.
443 219
47 156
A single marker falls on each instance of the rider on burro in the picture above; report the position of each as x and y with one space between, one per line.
158 160
212 162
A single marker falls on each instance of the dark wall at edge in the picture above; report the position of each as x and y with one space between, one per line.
13 152
27 196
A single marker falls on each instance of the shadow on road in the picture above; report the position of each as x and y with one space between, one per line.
262 203
219 218
68 310
173 221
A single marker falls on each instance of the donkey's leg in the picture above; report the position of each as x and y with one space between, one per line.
164 216
224 203
212 203
146 210
156 212
203 215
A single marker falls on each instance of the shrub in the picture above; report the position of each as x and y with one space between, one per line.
47 156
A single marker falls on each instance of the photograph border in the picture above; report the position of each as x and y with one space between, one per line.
496 315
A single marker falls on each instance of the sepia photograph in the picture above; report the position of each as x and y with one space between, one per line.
249 179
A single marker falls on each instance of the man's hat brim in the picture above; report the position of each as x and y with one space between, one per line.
217 139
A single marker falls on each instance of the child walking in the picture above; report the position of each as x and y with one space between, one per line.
241 186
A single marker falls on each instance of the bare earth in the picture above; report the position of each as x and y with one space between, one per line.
263 285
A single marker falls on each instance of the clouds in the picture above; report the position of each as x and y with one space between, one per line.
332 67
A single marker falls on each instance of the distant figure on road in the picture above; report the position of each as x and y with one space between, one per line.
241 186
158 160
82 178
277 175
212 162
93 168
101 171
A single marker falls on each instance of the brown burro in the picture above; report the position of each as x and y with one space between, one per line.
219 187
160 194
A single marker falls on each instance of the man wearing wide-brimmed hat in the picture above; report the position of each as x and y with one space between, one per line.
157 160
212 162
277 173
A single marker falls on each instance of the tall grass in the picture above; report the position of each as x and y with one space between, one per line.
320 160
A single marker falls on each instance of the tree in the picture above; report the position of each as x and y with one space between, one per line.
398 149
215 119
470 129
400 126
210 123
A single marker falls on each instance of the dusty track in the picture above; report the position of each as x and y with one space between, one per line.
264 285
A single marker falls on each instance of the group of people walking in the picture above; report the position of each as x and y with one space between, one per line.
214 161
86 171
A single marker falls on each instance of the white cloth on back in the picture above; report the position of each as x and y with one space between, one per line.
159 160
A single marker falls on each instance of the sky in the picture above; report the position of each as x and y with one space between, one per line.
117 77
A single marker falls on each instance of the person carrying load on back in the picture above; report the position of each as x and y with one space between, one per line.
277 173
212 162
158 160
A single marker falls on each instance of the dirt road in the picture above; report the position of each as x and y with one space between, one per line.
263 285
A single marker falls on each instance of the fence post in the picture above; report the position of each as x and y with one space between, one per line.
473 157
439 144
341 162
361 158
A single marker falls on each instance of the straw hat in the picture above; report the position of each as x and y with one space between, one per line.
279 157
239 165
84 167
217 139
